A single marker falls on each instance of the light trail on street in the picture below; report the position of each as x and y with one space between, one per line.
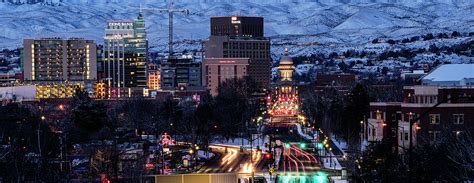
232 161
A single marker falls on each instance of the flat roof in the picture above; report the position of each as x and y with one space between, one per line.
119 21
451 72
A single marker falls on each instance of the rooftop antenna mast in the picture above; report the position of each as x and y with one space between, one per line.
170 10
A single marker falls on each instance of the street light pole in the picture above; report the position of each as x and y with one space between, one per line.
361 134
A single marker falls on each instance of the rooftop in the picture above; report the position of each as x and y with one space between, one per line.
119 21
450 72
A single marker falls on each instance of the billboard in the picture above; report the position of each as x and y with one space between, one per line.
79 164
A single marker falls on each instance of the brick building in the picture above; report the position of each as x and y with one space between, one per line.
454 116
241 37
217 70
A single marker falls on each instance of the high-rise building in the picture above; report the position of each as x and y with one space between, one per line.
237 26
58 66
125 50
241 37
55 59
217 70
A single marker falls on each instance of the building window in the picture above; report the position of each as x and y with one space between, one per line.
458 119
435 118
406 136
378 115
410 116
434 135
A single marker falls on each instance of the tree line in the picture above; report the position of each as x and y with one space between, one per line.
88 126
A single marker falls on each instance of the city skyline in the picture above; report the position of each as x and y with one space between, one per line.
199 91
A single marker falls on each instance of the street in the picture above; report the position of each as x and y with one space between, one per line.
232 161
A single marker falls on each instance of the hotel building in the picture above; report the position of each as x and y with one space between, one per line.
58 66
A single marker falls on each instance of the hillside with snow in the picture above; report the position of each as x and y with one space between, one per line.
307 24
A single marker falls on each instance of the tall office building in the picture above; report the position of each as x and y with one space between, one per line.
125 50
57 66
237 26
241 37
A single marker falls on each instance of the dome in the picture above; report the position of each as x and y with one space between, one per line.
286 60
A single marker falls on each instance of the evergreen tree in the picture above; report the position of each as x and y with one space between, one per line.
455 34
428 36
235 106
391 41
87 119
356 110
28 145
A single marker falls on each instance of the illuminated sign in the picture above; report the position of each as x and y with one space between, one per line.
166 139
235 20
120 23
150 166
226 61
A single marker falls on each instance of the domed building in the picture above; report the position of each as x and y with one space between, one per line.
285 90
286 67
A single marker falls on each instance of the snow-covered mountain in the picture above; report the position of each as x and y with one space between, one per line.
328 22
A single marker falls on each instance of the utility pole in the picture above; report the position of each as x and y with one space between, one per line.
170 10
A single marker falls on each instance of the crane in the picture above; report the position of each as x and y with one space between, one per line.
170 10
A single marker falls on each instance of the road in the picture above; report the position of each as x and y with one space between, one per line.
232 161
296 159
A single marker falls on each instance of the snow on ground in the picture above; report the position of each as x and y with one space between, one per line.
331 162
305 136
325 22
303 68
245 142
203 155
341 144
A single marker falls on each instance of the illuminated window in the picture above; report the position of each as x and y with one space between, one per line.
378 115
435 118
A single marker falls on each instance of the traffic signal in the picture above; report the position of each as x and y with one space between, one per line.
302 145
320 145
268 155
287 145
